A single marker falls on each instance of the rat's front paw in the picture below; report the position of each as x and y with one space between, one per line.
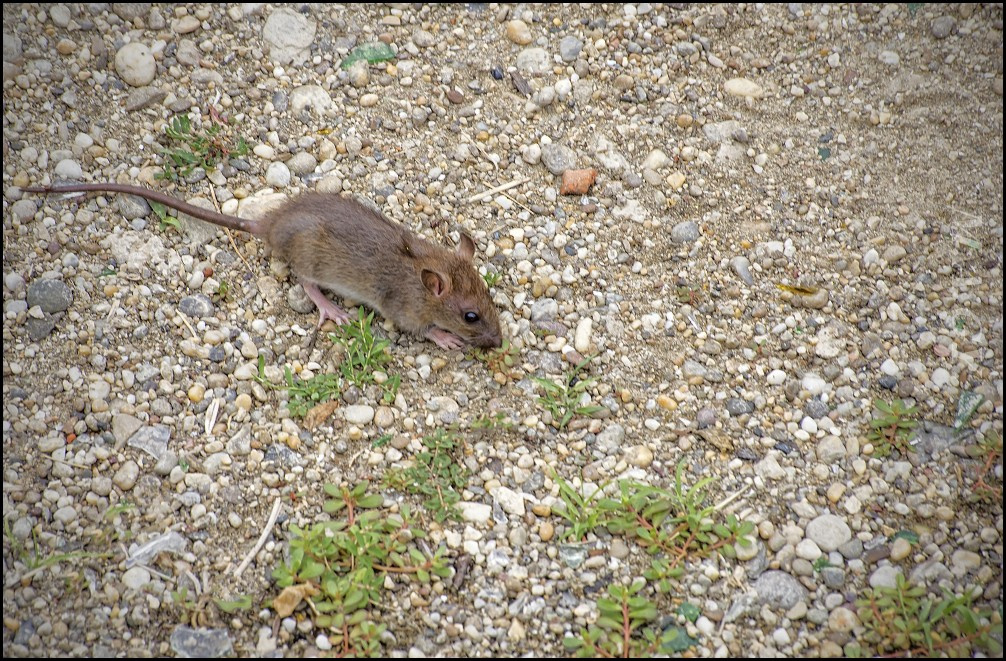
445 339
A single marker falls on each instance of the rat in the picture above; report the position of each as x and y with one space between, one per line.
338 243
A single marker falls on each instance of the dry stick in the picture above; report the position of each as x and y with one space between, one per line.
230 235
261 540
498 189
188 325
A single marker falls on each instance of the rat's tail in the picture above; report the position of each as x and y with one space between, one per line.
230 222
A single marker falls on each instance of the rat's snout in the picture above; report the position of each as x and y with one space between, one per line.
491 340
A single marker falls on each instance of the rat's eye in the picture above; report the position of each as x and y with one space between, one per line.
471 317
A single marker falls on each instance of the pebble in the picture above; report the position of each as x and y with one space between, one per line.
779 590
135 64
741 265
197 306
685 232
558 158
581 341
277 175
125 478
68 168
359 414
828 531
310 97
743 87
52 296
518 32
289 35
569 48
533 62
511 501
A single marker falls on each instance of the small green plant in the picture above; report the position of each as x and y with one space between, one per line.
305 395
204 148
562 399
365 354
437 475
627 628
34 558
821 564
893 427
583 513
904 620
223 292
488 422
241 603
673 525
342 565
491 278
164 220
500 360
991 448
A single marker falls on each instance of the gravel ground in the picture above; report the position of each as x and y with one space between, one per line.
797 210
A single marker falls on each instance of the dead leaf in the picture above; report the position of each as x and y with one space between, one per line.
288 600
797 289
320 414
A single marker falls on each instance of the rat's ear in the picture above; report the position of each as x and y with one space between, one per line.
436 283
466 247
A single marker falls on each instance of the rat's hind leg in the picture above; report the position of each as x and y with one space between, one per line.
326 308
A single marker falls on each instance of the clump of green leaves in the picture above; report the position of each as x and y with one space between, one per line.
488 422
893 427
365 355
671 525
583 513
500 360
491 278
164 220
674 525
305 395
904 620
344 562
627 628
193 148
563 399
437 475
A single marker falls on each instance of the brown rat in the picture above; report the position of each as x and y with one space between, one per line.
338 243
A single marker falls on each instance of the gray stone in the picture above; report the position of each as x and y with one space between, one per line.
558 158
685 232
610 440
569 48
151 439
189 643
313 97
736 406
197 306
533 61
50 295
829 532
779 590
544 309
289 35
135 64
944 26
